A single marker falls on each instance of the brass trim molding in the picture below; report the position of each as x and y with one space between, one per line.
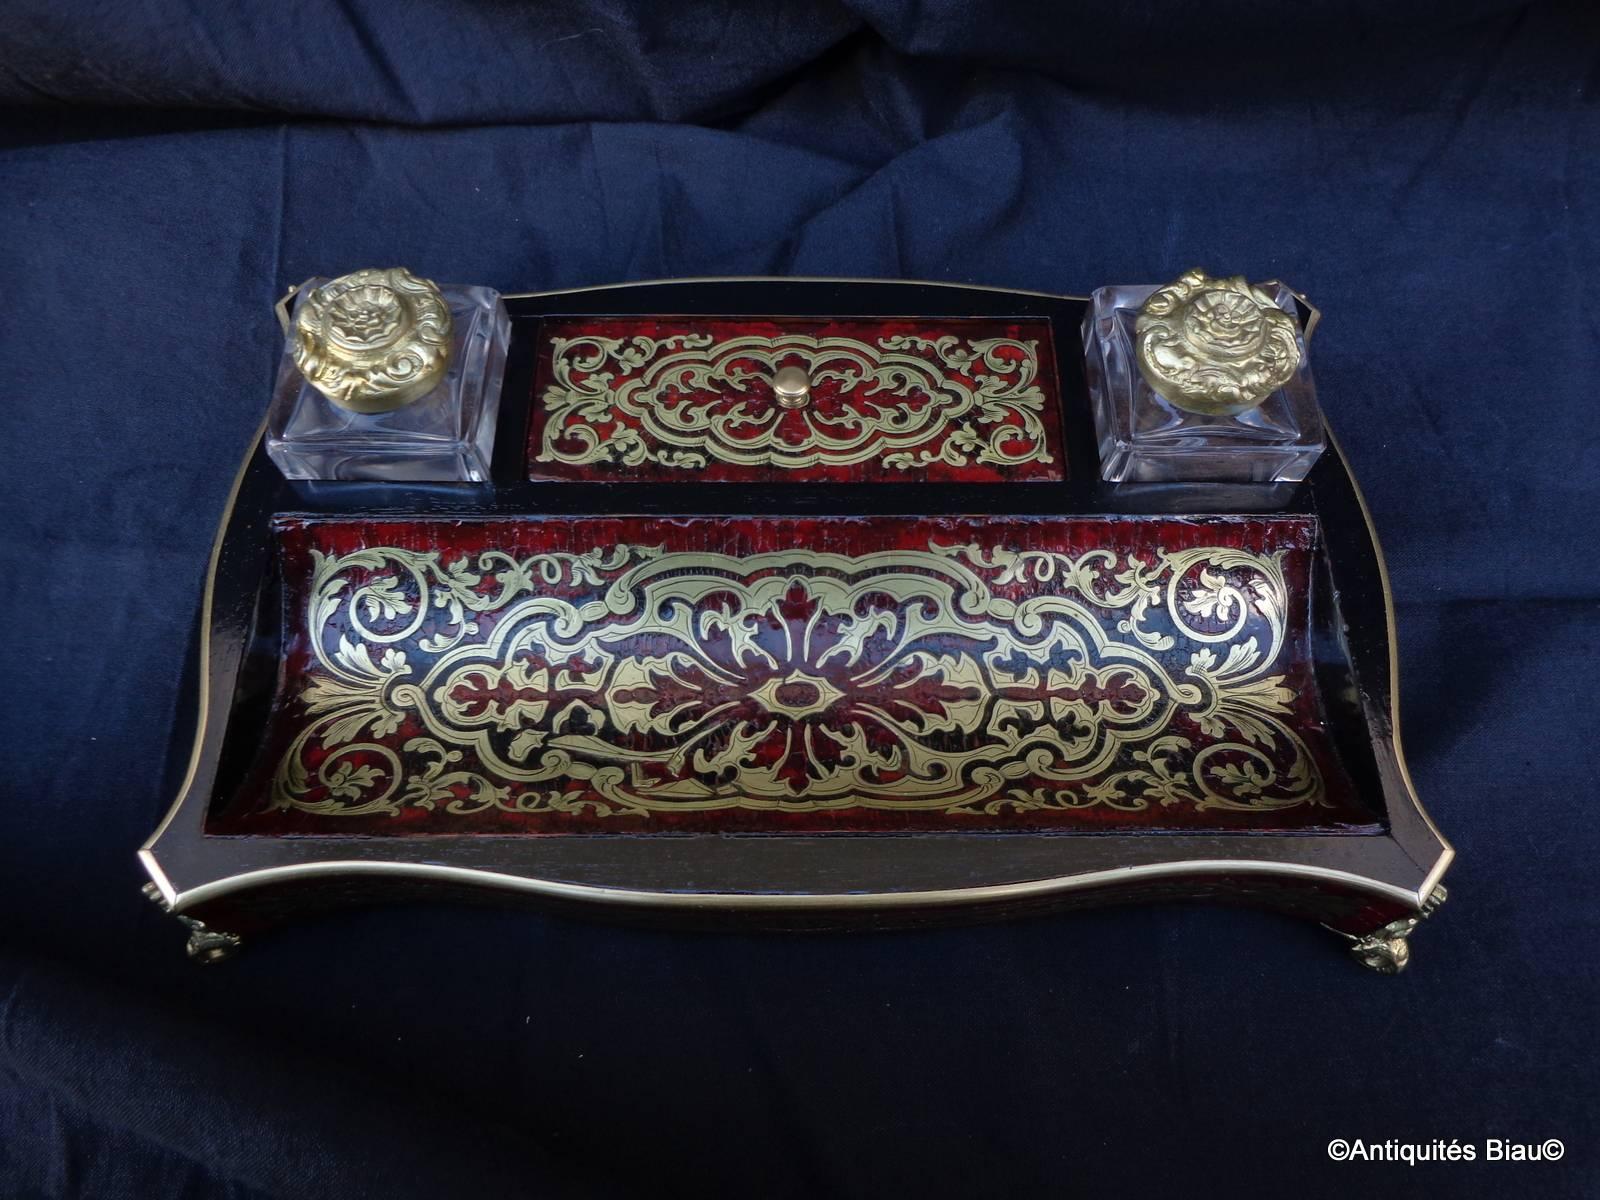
203 658
1447 851
944 283
751 901
283 304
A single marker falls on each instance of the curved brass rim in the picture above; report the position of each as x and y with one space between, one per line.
1447 851
284 303
943 283
750 901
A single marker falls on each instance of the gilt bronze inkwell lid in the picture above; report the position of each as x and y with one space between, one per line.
1215 346
373 340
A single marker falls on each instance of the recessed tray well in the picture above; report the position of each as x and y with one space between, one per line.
832 674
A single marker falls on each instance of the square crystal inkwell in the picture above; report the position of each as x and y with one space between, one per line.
385 376
1236 401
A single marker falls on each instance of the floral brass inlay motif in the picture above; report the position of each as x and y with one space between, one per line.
962 679
684 401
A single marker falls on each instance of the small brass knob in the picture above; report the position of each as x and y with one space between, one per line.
373 340
1217 347
792 386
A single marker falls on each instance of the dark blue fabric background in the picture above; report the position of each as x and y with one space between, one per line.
1426 173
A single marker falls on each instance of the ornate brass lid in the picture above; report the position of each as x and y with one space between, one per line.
373 340
1215 346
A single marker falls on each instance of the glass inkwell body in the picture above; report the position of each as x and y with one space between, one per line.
385 376
1201 380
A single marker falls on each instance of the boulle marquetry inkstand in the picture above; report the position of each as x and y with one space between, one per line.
802 602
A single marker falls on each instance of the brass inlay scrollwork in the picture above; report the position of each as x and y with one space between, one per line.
963 679
687 400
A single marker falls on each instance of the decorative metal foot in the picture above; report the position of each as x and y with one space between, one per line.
1388 950
204 945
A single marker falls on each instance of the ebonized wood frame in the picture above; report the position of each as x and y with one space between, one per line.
1368 887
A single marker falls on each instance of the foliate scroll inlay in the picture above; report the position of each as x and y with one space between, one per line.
883 400
962 679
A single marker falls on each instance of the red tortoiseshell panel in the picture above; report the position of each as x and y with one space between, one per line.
954 400
786 675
